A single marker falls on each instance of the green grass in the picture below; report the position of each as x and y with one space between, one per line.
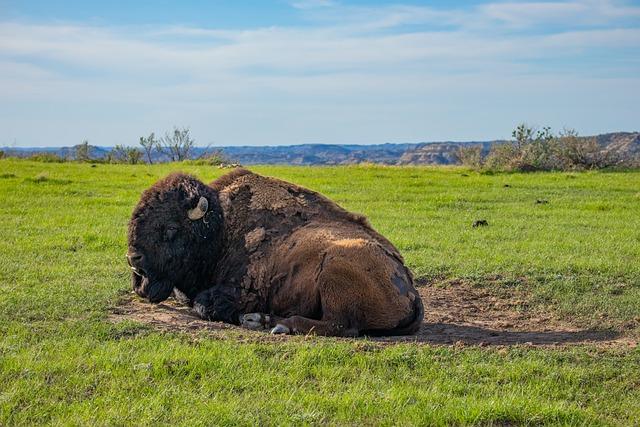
62 244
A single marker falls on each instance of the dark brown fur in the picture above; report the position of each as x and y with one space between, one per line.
270 247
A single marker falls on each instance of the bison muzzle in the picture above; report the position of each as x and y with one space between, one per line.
268 254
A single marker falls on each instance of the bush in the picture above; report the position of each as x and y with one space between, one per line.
470 156
213 158
584 153
47 158
124 154
533 150
503 157
210 158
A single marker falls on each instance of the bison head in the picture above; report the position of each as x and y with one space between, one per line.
174 235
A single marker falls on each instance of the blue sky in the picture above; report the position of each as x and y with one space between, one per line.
314 71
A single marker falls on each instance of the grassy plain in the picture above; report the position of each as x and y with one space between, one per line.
62 241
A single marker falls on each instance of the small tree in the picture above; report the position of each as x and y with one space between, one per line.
149 144
540 151
178 144
523 135
83 151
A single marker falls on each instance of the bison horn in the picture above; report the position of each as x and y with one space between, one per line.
199 211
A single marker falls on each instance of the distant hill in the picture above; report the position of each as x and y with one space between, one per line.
427 153
317 154
621 143
439 153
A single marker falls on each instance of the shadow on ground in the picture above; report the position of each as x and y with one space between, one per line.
451 333
455 314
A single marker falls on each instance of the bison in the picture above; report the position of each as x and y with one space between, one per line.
267 254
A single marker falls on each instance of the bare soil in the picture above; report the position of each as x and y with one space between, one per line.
456 313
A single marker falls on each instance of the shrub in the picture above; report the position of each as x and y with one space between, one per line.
47 158
124 154
470 156
531 151
541 150
213 158
583 153
503 157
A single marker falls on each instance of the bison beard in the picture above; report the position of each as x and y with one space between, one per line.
268 254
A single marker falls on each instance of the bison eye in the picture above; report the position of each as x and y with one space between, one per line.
170 232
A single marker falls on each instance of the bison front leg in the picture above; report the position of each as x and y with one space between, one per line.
257 321
303 325
217 304
295 325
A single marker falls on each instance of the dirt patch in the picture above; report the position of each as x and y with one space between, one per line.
456 313
459 313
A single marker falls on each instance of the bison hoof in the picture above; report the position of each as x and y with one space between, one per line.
280 329
252 321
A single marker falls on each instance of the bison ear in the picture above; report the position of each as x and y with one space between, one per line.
199 211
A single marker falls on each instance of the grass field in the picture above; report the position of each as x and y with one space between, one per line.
62 271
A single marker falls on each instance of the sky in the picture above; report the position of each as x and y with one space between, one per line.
279 72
